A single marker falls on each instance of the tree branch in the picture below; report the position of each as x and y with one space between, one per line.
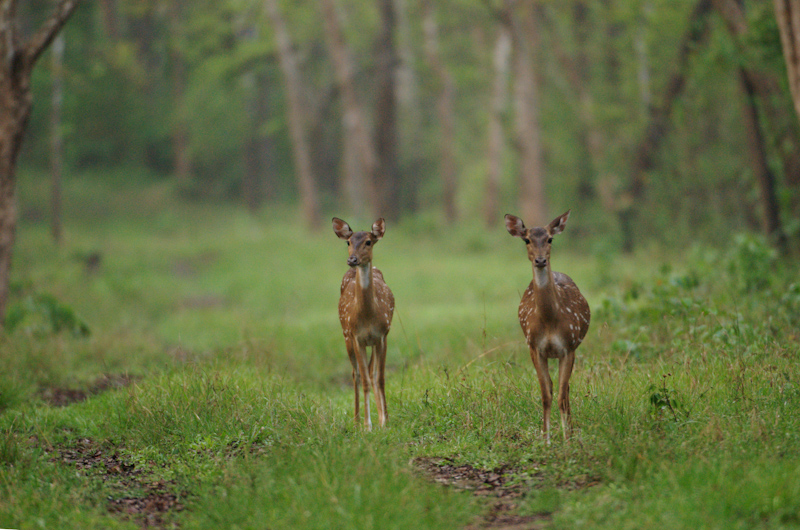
42 38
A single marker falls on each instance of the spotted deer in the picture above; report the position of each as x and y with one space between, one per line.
366 306
553 314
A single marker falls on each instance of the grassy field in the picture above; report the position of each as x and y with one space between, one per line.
182 365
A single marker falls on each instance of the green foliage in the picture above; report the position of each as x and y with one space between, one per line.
42 313
140 75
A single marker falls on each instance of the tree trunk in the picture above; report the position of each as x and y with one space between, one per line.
445 112
787 13
502 52
182 162
533 203
359 151
387 175
762 86
17 60
306 185
409 116
589 134
56 138
770 220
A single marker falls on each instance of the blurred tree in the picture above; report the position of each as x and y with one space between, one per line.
498 104
532 199
787 13
17 60
644 154
756 84
445 113
295 116
387 175
409 111
182 161
360 158
56 137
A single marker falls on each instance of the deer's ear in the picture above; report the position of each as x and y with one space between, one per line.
341 229
515 226
379 228
558 224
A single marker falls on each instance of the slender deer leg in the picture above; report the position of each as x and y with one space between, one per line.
565 365
378 377
546 386
373 373
366 382
351 354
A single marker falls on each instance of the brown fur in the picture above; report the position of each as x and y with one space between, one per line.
366 307
553 314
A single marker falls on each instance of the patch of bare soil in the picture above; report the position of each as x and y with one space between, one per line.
154 501
495 482
63 396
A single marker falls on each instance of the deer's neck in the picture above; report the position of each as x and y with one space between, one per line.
545 292
365 289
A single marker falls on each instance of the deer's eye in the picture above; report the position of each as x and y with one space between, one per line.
348 242
549 240
526 240
368 243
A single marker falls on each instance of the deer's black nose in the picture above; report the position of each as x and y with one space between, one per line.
540 262
352 261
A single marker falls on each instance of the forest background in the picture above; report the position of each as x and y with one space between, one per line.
664 122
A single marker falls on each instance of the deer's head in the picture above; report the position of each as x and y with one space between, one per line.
539 239
359 244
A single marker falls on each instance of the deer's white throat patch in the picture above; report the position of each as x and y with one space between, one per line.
541 277
364 275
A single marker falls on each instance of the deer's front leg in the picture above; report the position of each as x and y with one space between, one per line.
378 379
565 365
546 386
348 341
366 382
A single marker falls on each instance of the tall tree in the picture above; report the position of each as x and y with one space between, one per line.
409 109
18 56
387 176
360 158
757 84
445 112
787 13
182 161
56 136
499 101
296 116
532 200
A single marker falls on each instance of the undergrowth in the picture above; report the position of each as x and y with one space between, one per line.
239 400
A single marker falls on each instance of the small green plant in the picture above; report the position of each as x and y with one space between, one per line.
43 314
752 261
665 399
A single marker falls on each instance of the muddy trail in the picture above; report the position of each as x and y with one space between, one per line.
135 493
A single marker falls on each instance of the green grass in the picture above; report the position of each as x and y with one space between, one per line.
685 395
